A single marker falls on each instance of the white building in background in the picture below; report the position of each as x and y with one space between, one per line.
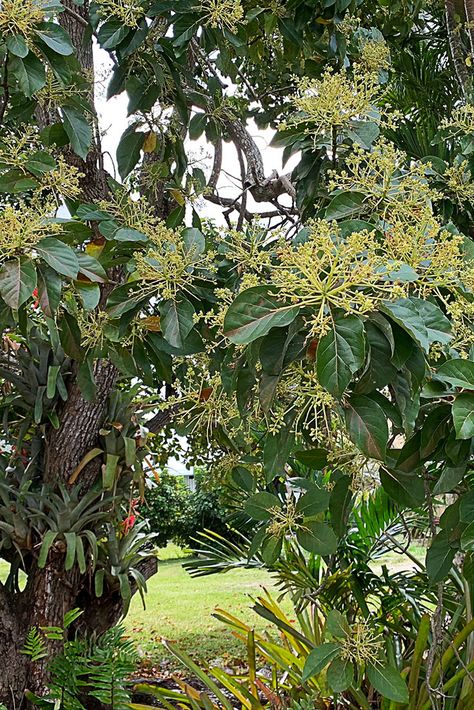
177 468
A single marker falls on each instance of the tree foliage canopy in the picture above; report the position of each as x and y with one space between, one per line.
323 333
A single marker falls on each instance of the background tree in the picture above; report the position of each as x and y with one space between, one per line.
334 332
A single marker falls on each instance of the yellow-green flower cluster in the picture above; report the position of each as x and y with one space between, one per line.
328 271
299 390
20 17
462 119
362 645
61 180
459 182
374 56
202 400
23 225
228 14
392 190
92 326
246 249
285 521
129 12
333 101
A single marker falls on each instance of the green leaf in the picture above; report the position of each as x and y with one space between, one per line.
459 373
78 131
260 504
243 479
439 558
463 415
111 33
55 37
313 502
340 504
276 451
404 488
319 658
423 320
336 624
128 151
340 675
16 45
315 459
29 73
59 256
49 289
17 281
271 549
317 537
176 321
86 380
449 479
126 234
91 268
40 163
194 240
340 354
70 337
388 682
70 538
344 205
48 540
254 312
89 294
367 426
109 471
467 538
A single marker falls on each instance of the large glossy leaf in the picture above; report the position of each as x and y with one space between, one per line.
319 658
340 354
405 489
388 682
49 289
367 426
254 312
78 131
463 415
16 44
317 537
90 268
111 33
176 321
59 256
344 205
459 373
423 320
313 502
17 281
55 37
340 674
128 151
259 505
439 557
29 72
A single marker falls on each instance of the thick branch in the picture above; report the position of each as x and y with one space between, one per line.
455 46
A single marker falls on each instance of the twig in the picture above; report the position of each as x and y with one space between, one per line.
6 93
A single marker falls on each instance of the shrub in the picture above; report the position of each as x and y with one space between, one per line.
175 513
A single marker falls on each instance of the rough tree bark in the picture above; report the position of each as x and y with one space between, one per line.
51 592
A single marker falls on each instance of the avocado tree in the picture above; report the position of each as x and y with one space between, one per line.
331 319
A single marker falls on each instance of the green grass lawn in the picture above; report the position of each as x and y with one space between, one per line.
180 608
